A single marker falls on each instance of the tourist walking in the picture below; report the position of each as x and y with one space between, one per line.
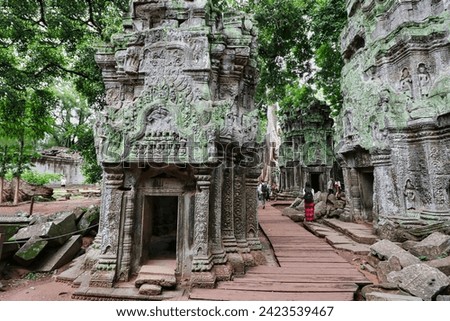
261 197
330 186
263 193
308 197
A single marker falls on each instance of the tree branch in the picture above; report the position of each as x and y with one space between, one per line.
42 21
91 19
70 71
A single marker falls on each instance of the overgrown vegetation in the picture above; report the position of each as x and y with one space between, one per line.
298 51
44 43
36 178
49 81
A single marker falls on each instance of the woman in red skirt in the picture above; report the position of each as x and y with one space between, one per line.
308 196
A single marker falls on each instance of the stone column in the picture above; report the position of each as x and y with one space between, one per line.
222 268
228 238
386 198
251 209
240 217
202 263
355 194
126 236
107 241
228 232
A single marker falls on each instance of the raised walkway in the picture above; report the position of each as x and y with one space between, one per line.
309 269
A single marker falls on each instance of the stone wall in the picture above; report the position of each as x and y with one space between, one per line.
393 132
70 168
179 122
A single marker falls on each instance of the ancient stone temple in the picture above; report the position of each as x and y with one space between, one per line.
177 145
306 152
394 130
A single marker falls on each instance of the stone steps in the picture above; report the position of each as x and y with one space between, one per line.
350 237
153 278
357 232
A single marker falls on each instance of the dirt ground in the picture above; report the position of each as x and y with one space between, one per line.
48 207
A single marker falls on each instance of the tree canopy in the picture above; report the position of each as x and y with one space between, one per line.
44 43
298 47
41 43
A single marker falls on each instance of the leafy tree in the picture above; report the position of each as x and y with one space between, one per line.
24 119
328 19
5 163
42 42
72 116
298 47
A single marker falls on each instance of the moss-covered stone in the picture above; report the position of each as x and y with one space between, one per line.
30 251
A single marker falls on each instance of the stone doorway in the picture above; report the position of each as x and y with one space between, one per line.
160 227
315 181
366 182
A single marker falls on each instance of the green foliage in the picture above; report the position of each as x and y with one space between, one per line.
299 46
90 168
43 43
36 178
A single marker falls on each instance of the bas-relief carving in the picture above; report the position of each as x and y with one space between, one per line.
409 73
410 196
166 93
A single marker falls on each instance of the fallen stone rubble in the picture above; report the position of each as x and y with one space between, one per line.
410 257
420 272
45 243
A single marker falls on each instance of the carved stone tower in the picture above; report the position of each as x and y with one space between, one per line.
177 144
394 130
306 152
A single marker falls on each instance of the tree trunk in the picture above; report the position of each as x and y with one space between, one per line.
16 190
1 189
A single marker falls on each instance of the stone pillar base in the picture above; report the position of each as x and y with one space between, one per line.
219 257
224 272
254 244
259 257
205 280
102 279
92 256
248 259
237 262
202 263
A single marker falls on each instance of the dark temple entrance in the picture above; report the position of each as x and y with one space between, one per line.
160 227
366 185
315 181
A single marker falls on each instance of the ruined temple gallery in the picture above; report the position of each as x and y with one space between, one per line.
179 139
393 134
177 145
